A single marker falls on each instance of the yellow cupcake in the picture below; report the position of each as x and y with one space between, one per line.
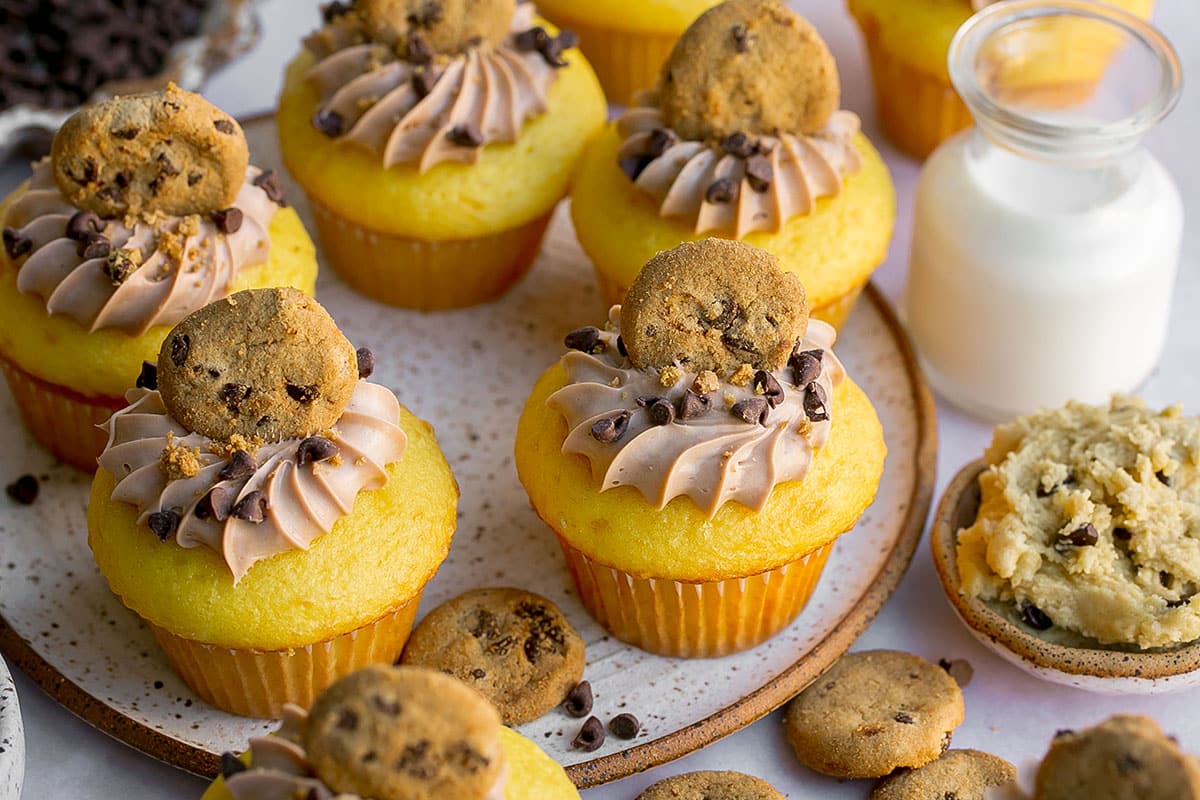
266 570
908 43
432 177
626 43
819 197
695 510
77 324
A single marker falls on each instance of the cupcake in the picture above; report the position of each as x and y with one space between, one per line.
908 45
271 514
433 140
742 139
393 733
145 211
626 43
699 455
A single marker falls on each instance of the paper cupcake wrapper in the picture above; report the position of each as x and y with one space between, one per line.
257 683
695 619
59 419
414 273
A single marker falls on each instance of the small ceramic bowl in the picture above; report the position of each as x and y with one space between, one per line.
1053 655
12 738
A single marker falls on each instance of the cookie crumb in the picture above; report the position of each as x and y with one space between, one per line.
742 375
178 462
706 382
669 376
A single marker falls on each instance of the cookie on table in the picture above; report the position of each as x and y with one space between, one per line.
960 774
1127 757
873 712
711 786
513 646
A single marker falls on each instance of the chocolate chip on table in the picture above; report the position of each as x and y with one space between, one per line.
586 339
148 377
1034 617
806 366
23 490
95 246
83 224
16 244
329 122
1084 536
227 220
738 145
269 182
753 410
315 449
722 190
611 429
163 524
624 726
816 406
658 409
764 383
579 700
693 405
366 362
251 508
759 173
214 505
239 467
590 736
231 765
465 135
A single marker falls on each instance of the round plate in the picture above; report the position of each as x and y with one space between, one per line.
12 738
469 372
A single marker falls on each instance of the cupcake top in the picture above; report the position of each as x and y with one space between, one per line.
382 733
145 210
421 82
256 430
743 132
710 381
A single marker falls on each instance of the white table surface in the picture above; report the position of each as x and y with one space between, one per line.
1008 712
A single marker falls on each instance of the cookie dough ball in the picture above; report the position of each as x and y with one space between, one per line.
268 364
749 66
447 26
713 305
514 646
711 786
1127 757
404 733
961 774
170 151
873 712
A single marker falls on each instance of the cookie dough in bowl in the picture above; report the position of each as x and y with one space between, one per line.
1071 548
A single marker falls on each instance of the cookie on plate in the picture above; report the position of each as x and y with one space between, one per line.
960 774
711 786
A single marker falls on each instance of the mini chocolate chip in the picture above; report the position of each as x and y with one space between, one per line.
478 674
231 765
738 144
579 700
315 449
1061 732
633 166
232 395
251 508
722 190
624 726
16 244
585 339
181 345
590 736
1166 579
759 173
302 394
1183 601
122 180
23 490
1043 492
693 405
194 177
423 82
228 220
752 410
661 140
959 669
465 135
214 505
419 51
388 705
427 14
1084 536
331 11
621 347
1122 534
83 224
816 406
148 377
741 37
660 411
806 366
611 429
269 182
127 133
366 362
1163 478
766 385
903 717
223 125
1034 617
163 524
550 48
95 246
1129 763
532 40
328 122
240 466
347 720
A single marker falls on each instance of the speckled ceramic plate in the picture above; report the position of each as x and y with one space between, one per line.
12 738
469 372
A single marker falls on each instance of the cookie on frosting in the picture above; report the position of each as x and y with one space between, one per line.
445 26
711 786
960 774
267 364
873 712
749 66
514 646
713 305
404 734
169 151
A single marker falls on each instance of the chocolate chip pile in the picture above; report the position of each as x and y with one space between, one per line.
56 53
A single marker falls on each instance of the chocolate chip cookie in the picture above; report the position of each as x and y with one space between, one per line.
873 712
711 786
752 67
268 364
444 26
169 151
960 774
713 305
404 733
514 646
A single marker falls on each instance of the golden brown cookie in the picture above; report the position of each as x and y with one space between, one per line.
446 26
1127 757
267 364
873 712
404 733
961 774
752 67
711 786
169 151
514 646
713 305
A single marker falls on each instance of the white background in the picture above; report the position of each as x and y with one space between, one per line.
1008 712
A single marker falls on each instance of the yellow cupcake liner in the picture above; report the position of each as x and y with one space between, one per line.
257 683
59 419
695 619
626 62
414 273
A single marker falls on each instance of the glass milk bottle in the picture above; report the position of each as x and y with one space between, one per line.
1046 238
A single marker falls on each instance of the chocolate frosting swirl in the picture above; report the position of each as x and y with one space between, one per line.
715 457
181 263
303 500
377 101
681 178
